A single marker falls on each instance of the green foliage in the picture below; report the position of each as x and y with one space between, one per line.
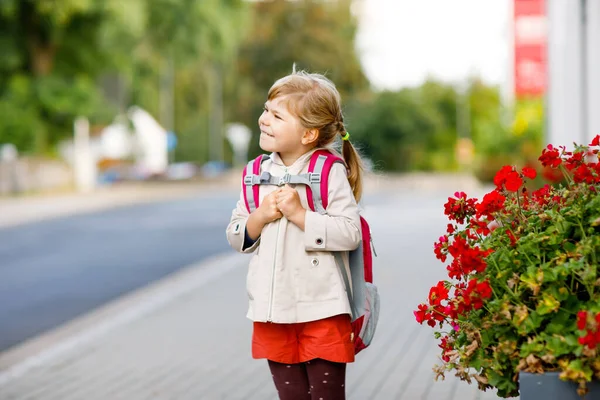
200 40
20 116
412 129
498 143
55 51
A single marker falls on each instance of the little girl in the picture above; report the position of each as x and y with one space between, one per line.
297 296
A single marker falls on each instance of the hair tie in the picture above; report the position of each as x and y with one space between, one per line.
346 136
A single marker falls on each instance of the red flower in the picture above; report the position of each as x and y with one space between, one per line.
440 248
552 175
581 320
482 227
508 177
438 293
513 183
541 196
583 174
511 236
595 141
446 347
590 340
529 172
460 207
574 161
458 246
550 157
439 313
484 289
477 292
491 203
501 175
422 314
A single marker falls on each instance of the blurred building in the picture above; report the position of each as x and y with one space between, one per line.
573 93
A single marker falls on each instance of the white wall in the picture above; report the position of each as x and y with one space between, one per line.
573 99
593 46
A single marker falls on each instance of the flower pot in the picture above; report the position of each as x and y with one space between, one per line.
548 386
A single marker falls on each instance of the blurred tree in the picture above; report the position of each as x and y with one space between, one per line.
54 52
160 54
190 50
497 143
411 129
316 35
395 130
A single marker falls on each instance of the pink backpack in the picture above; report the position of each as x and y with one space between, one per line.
364 297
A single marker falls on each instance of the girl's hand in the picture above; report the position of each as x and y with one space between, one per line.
288 202
268 210
266 213
492 226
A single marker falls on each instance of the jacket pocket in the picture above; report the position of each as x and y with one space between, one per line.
251 277
317 278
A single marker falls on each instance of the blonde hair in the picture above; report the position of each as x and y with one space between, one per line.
314 100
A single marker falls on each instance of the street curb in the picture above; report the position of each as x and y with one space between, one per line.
45 348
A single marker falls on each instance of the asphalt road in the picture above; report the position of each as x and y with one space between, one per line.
55 270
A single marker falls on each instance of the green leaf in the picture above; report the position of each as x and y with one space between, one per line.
550 274
558 345
559 323
547 304
577 371
531 323
569 247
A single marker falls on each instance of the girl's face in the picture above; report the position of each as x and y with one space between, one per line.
281 131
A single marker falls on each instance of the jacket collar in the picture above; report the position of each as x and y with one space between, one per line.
298 165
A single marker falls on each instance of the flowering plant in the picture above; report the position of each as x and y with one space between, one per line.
523 292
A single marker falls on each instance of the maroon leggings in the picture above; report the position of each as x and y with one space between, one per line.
312 380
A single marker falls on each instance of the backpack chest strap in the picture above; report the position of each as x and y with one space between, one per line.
265 178
315 180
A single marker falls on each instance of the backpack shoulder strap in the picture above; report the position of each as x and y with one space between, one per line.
251 182
319 167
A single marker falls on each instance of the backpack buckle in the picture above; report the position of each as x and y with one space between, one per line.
285 179
265 177
248 180
314 177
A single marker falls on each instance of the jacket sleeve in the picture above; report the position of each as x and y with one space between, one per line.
236 230
339 229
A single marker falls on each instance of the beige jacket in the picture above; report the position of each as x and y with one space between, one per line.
292 276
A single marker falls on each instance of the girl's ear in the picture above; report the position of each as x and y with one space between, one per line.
310 136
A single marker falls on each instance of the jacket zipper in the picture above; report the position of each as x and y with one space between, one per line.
273 276
270 315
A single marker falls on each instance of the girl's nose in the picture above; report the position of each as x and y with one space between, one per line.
263 119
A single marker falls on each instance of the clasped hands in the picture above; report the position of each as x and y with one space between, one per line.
284 201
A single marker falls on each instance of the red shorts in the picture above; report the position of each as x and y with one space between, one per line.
328 339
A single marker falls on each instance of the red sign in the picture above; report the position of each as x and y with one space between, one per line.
530 47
